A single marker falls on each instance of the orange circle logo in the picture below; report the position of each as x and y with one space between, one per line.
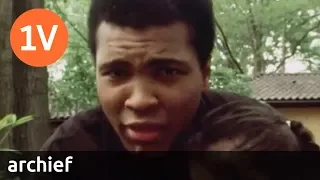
39 37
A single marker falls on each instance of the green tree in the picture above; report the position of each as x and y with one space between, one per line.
6 83
30 86
76 89
255 34
23 89
226 79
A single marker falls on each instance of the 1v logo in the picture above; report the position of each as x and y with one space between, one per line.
39 37
45 43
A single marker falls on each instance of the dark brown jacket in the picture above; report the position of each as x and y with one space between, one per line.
90 131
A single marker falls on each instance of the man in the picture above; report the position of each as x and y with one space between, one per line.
152 67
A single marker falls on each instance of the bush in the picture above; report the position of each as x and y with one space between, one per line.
6 125
226 79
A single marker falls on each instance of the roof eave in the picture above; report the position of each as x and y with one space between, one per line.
294 103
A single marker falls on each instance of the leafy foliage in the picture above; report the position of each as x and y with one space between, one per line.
76 89
7 123
257 34
226 79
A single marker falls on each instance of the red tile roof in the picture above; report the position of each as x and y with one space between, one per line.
302 86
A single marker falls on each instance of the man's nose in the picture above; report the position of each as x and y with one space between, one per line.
141 98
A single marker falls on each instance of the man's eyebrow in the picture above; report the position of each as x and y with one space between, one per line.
113 63
154 62
167 61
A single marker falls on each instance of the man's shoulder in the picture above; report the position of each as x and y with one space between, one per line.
214 98
80 132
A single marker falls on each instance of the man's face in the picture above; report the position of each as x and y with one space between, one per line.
149 83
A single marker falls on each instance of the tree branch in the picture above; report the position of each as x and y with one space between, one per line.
76 44
295 47
58 9
225 41
259 62
305 21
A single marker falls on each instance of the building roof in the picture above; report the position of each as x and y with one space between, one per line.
60 116
278 87
266 87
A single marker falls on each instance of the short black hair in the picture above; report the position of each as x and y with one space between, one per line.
261 128
140 14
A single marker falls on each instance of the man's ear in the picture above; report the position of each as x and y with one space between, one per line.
206 71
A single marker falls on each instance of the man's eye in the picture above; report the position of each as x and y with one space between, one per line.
169 71
115 73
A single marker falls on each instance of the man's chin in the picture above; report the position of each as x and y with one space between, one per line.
148 152
138 148
144 146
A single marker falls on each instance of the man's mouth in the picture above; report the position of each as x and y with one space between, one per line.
144 133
